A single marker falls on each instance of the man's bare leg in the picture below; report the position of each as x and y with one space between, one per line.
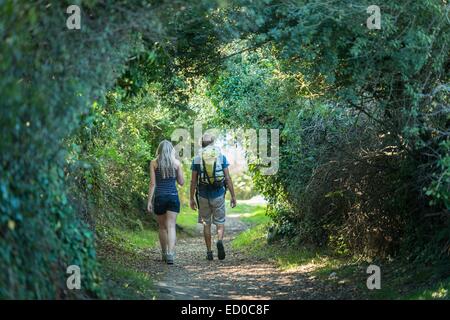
220 247
220 231
207 235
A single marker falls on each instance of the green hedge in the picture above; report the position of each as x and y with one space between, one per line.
49 78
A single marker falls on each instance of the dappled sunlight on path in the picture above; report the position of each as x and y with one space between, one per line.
239 276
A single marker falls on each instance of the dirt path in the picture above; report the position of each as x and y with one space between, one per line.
239 276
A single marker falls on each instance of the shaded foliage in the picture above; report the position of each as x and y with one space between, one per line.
50 77
363 116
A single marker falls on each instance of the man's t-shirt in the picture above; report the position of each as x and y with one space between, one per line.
204 191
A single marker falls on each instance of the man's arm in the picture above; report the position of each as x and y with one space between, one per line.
194 178
230 187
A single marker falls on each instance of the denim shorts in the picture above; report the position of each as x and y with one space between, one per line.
168 202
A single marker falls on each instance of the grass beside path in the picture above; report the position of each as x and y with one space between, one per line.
187 219
399 280
123 282
120 253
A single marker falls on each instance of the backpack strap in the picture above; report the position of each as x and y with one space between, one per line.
196 198
204 171
214 172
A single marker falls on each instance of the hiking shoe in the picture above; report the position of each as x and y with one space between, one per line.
169 258
164 257
220 250
209 255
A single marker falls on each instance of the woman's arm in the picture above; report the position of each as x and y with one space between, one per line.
180 176
151 188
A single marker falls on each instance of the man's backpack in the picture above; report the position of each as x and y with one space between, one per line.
211 172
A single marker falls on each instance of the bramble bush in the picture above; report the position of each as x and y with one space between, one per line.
363 116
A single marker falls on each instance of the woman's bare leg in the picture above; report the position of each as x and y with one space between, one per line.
171 223
163 232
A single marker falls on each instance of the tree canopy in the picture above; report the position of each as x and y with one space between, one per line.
363 117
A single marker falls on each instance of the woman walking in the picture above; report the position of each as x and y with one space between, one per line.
165 171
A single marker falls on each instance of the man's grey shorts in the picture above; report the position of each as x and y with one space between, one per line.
211 210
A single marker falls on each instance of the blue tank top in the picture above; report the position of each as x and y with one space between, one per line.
165 186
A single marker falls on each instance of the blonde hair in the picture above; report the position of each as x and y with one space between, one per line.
165 159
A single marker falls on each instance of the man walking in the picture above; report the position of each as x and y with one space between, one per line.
210 179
